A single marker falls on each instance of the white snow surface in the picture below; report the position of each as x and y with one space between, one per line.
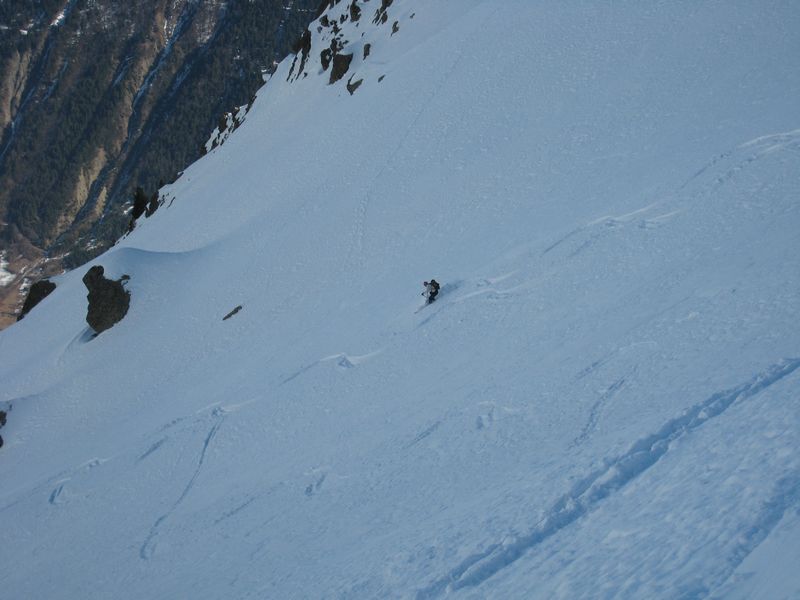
6 276
604 402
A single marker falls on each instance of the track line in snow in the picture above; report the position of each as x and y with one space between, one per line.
600 362
563 239
356 251
55 495
152 449
347 361
422 435
594 412
608 222
343 360
659 221
234 511
755 149
148 547
772 138
299 372
785 496
58 480
586 494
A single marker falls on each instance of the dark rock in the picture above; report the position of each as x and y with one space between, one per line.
301 48
3 415
380 14
395 27
139 203
152 205
233 312
38 292
336 45
352 86
341 63
367 48
325 58
325 5
355 11
108 300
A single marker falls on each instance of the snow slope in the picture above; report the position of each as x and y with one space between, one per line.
603 403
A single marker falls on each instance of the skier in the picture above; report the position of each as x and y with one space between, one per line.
431 290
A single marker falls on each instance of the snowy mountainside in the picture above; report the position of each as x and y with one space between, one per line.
602 403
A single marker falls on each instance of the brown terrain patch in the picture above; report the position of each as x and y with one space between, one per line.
28 266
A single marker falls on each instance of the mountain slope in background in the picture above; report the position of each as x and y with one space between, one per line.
97 98
603 402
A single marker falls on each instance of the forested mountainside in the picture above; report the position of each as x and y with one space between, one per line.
98 97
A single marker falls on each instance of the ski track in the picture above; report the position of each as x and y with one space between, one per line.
148 548
607 222
785 496
59 479
422 435
55 495
563 239
356 253
756 148
594 366
152 449
594 412
616 473
343 360
299 372
234 511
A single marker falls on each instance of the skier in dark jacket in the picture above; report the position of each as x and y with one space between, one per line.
431 290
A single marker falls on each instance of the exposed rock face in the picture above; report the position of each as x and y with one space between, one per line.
337 37
341 62
381 16
108 300
38 292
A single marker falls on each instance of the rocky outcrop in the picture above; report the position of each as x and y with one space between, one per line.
381 15
343 41
108 300
227 124
38 292
341 62
352 86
